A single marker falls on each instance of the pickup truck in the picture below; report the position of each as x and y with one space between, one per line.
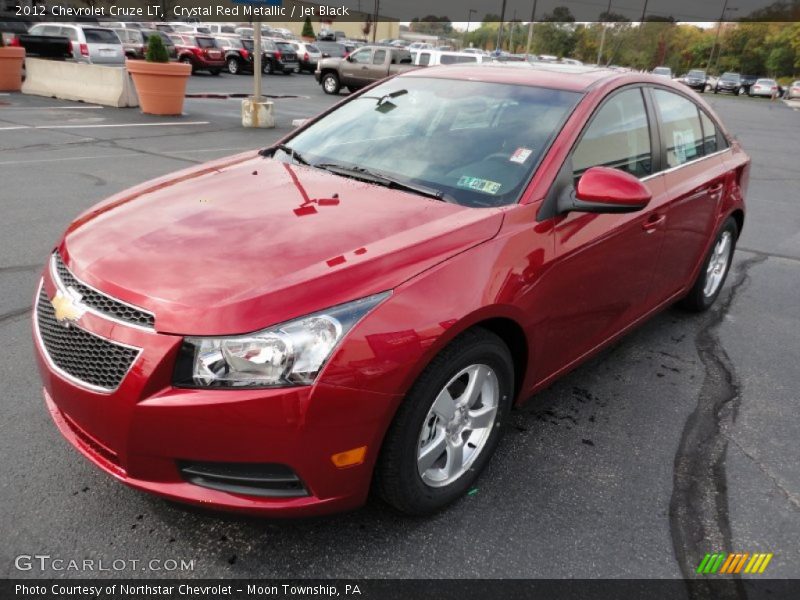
361 68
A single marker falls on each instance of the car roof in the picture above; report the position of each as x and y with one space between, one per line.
556 76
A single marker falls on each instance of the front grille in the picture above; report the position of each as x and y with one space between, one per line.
269 480
81 355
100 302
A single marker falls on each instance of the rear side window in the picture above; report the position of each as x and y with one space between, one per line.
379 57
681 131
709 134
100 36
618 137
204 42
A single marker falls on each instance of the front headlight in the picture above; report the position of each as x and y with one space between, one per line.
288 354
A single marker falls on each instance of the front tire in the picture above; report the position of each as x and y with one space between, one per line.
449 425
330 84
714 271
233 66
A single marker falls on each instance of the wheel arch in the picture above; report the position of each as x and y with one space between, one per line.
738 216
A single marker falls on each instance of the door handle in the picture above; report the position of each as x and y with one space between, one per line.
653 222
716 188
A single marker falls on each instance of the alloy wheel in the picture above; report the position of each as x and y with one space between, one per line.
458 425
718 264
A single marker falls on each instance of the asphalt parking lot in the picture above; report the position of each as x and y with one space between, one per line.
679 440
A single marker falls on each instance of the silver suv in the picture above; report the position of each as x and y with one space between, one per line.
90 43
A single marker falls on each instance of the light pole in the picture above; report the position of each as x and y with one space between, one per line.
530 31
603 34
716 38
469 17
500 29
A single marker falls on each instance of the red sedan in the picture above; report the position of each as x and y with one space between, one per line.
361 305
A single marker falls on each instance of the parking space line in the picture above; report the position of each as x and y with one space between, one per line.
4 108
15 127
107 156
95 126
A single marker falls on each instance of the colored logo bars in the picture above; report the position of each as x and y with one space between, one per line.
724 563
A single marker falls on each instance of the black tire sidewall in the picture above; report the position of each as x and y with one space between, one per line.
421 498
696 299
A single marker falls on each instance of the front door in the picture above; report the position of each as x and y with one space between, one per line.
603 267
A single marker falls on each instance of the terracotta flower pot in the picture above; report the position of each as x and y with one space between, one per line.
11 59
161 86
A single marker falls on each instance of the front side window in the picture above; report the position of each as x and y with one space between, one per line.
477 143
379 58
618 137
681 129
424 58
361 57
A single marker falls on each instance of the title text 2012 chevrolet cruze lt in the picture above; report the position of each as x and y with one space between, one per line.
359 306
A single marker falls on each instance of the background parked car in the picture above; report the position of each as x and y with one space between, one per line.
331 49
765 88
308 55
662 71
366 65
90 44
729 82
238 57
134 42
793 91
281 57
202 52
695 79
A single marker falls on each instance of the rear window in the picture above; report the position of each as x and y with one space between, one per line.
164 37
312 48
100 36
285 47
13 27
204 42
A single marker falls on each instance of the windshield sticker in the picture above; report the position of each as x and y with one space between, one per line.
521 155
685 148
479 185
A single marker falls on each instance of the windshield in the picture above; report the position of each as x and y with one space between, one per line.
477 143
698 74
730 77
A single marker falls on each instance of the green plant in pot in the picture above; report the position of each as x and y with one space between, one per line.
161 84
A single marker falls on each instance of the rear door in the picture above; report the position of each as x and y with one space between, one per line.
104 46
378 68
604 262
695 176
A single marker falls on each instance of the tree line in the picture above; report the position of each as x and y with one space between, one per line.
757 48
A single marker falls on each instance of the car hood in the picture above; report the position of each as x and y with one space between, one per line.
246 242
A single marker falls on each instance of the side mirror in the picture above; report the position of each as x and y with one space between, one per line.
606 190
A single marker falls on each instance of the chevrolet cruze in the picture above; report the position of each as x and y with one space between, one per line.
359 306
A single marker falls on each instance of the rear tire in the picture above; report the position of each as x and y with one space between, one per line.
330 84
444 433
233 66
714 271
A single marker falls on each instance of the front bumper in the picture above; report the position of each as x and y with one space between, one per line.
142 432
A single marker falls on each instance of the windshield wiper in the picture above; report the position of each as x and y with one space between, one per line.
296 156
385 180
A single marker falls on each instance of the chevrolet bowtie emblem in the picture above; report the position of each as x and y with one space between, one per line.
68 307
